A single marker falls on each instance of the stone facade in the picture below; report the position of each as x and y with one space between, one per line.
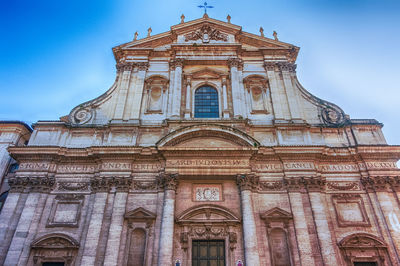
136 177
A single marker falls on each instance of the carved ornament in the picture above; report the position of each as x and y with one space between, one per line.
104 184
168 181
206 33
54 247
381 183
72 186
363 247
247 182
343 185
33 183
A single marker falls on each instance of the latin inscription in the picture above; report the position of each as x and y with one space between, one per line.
381 165
76 168
34 166
116 166
298 166
207 162
338 167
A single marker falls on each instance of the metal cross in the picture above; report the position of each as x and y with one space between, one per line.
205 6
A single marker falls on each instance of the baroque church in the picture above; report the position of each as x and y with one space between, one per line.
206 151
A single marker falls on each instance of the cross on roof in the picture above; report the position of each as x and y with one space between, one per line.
205 6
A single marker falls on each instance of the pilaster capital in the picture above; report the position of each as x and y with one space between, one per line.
31 183
287 66
247 182
125 66
177 62
143 66
235 62
303 184
270 65
381 183
168 181
105 184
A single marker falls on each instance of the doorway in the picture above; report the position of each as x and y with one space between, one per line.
208 253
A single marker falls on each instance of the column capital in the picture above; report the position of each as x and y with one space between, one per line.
125 66
168 181
270 65
177 62
287 66
235 62
143 66
247 181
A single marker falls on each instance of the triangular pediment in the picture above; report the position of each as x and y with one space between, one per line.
206 73
140 214
192 31
276 214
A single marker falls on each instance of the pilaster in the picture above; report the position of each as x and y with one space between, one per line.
170 183
246 184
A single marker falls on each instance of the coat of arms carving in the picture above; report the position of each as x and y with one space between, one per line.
206 33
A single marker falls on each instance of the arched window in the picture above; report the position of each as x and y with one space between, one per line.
206 103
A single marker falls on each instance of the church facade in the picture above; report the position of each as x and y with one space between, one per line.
206 150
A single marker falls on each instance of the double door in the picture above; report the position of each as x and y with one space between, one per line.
208 253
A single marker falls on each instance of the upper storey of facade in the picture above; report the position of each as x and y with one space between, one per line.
207 71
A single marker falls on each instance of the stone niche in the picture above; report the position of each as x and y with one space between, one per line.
139 236
66 211
350 210
278 222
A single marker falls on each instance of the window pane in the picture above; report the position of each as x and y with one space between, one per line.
206 103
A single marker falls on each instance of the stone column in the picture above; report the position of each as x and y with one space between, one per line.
125 70
294 108
234 64
246 183
225 110
134 106
276 93
188 98
170 183
177 89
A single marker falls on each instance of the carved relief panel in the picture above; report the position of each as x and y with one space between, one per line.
207 192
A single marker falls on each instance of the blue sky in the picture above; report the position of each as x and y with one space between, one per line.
57 54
